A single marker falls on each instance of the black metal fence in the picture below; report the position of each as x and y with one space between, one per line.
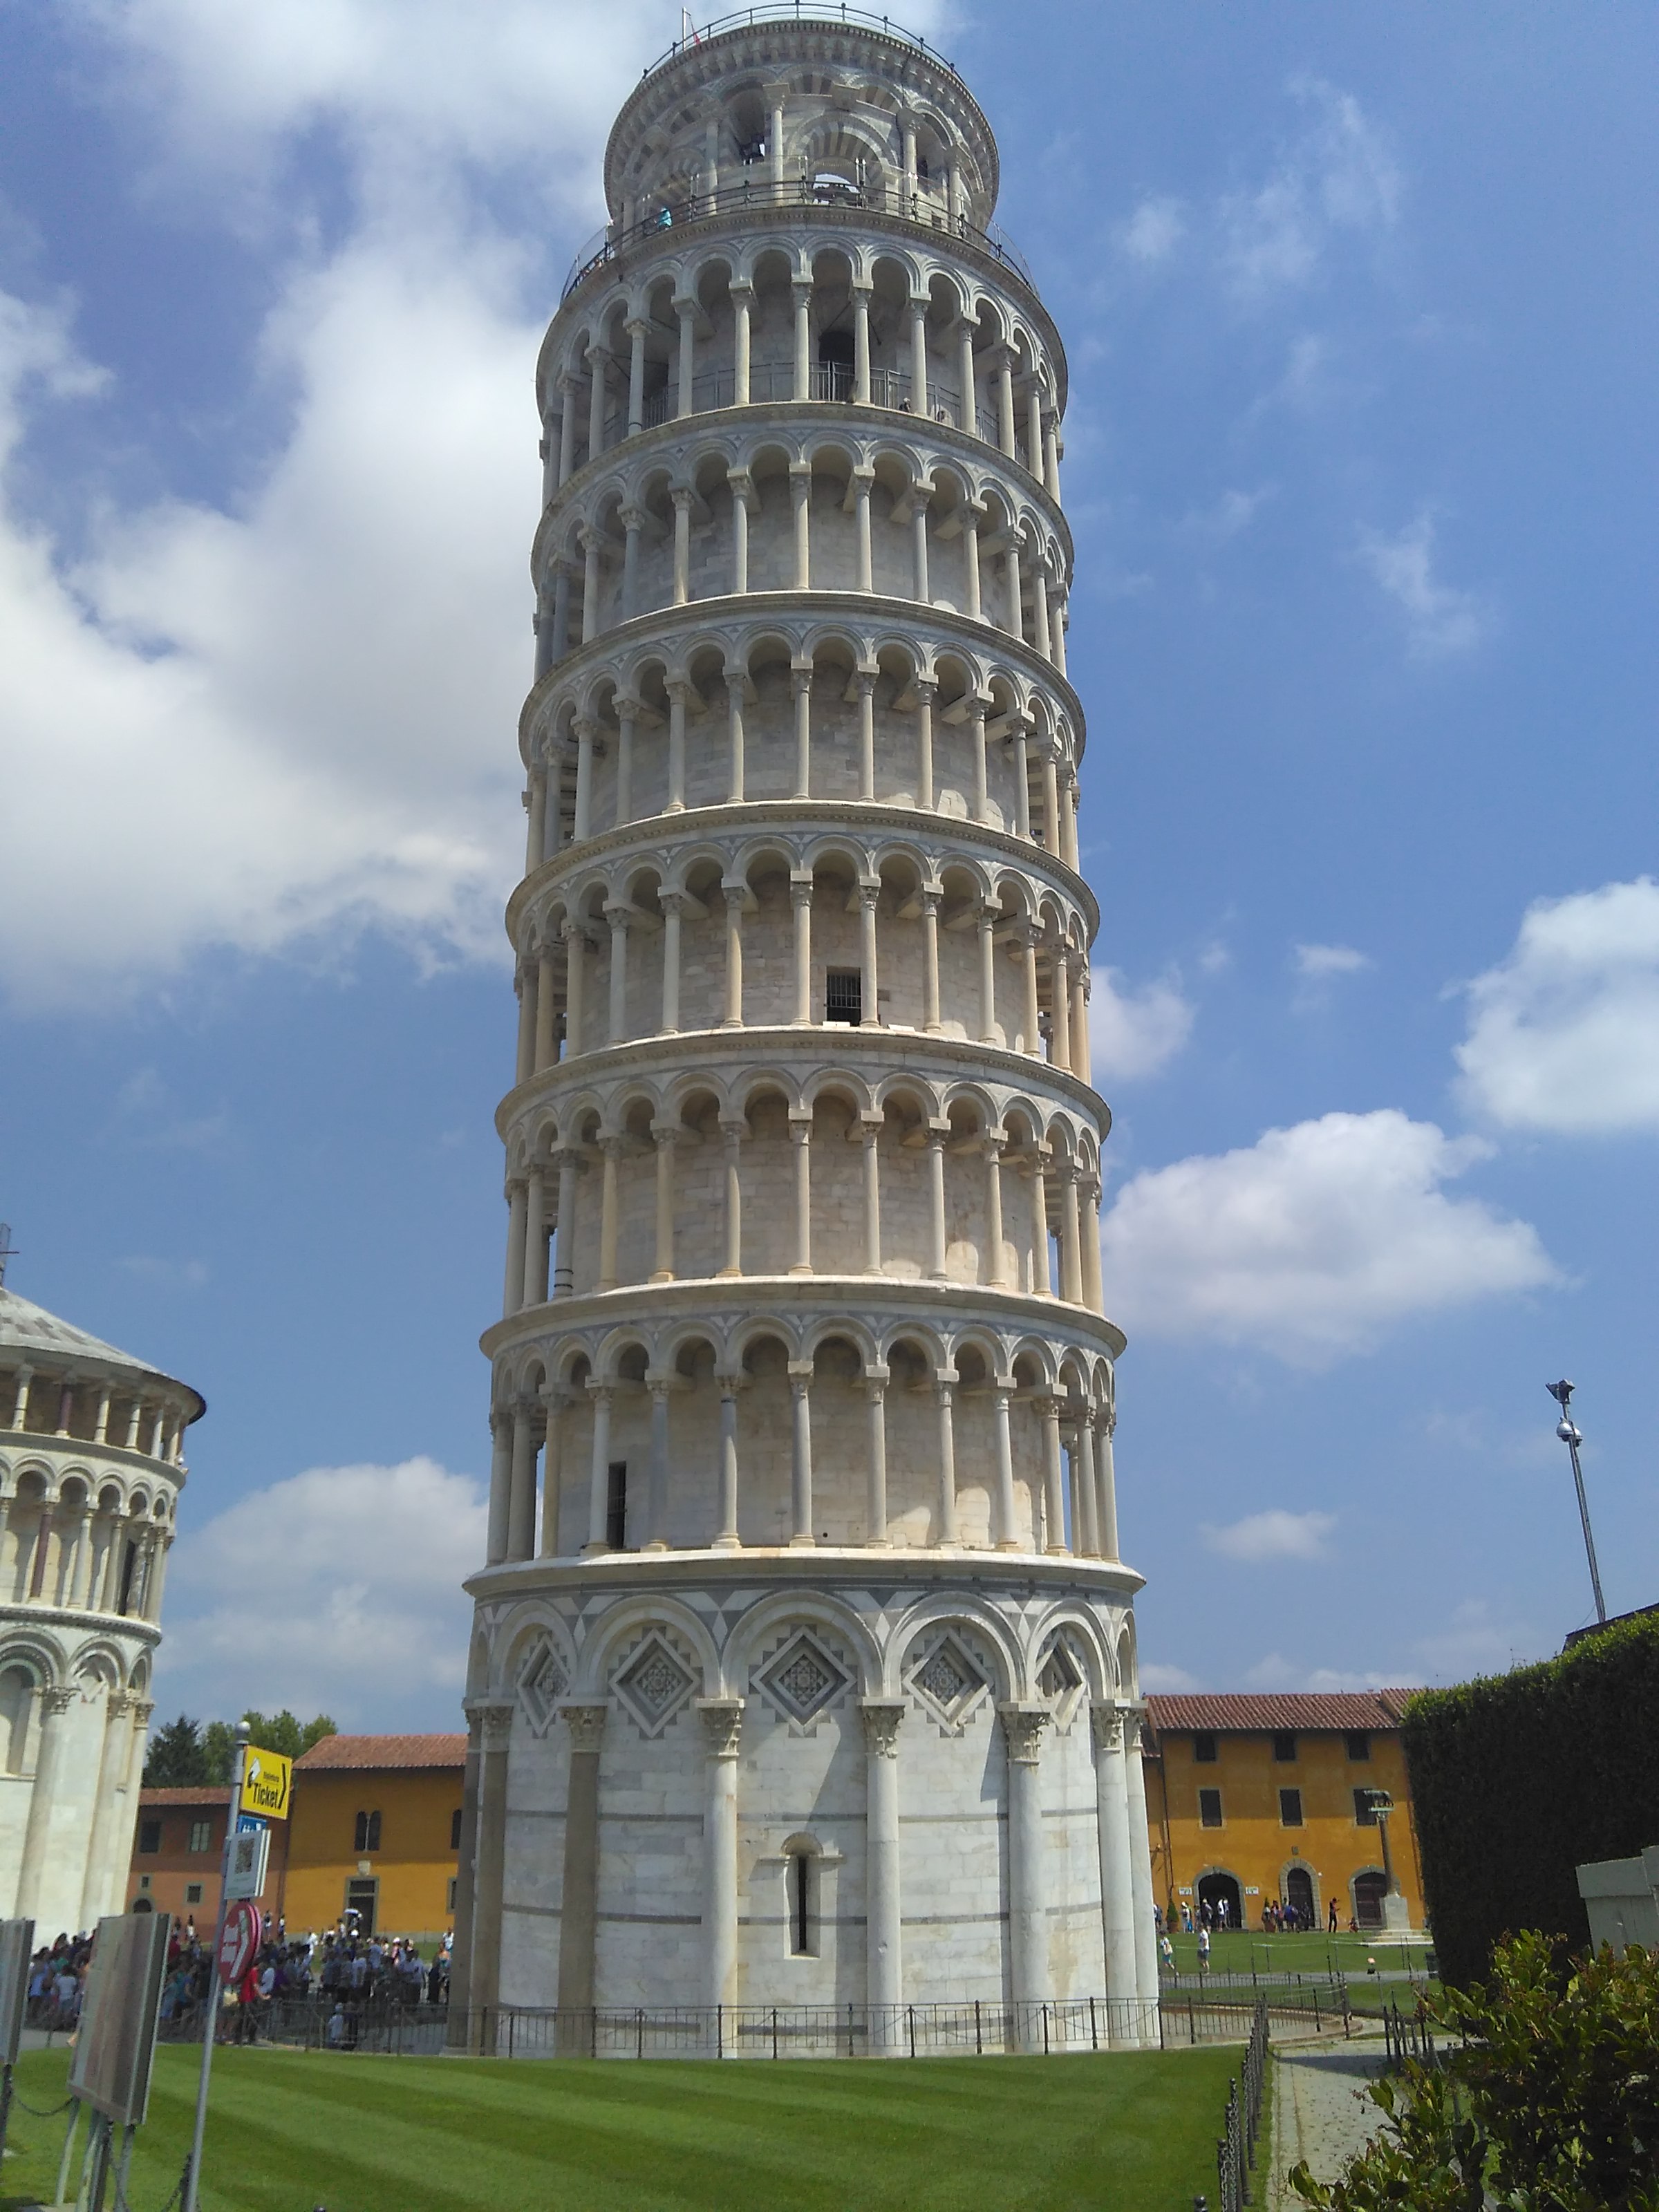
1235 2150
1408 2035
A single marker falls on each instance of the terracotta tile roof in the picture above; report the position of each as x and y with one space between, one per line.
206 1793
336 1753
1225 1714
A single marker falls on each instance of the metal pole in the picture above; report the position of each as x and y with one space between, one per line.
1570 1435
210 2012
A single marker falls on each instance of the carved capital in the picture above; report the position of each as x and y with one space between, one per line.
57 1697
1108 1725
586 1726
1023 1725
496 1722
881 1719
722 1725
142 1710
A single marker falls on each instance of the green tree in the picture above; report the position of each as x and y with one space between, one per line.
176 1758
1548 2103
280 1732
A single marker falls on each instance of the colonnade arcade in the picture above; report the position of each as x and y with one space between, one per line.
769 1429
782 707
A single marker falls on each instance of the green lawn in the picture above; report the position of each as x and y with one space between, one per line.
1282 1957
1126 2132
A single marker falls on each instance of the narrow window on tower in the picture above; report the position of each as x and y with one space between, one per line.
615 1506
800 1904
843 996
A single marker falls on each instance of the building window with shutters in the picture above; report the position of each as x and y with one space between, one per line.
455 1829
150 1836
1209 1809
201 1836
1359 1746
1290 1809
1284 1748
368 1832
1203 1748
1364 1815
193 1892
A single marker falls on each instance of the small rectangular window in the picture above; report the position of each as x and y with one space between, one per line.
449 1903
1290 1809
367 1837
149 1835
193 1892
843 996
1363 1816
1209 1809
201 1836
1284 1748
800 1906
1360 1745
615 1506
455 1829
1203 1749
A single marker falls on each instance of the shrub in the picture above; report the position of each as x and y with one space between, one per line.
1518 1779
1550 2104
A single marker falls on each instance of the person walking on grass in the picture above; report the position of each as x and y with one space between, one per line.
1203 1950
1333 1916
1166 1951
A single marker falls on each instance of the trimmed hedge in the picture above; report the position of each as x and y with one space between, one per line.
1517 1779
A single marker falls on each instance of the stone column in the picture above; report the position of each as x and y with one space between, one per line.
598 363
610 1151
19 1400
800 500
801 1455
1116 1867
1078 967
1028 1889
925 693
517 1223
875 1390
460 1957
687 312
1005 438
637 331
574 932
56 1700
865 681
996 1272
522 1510
869 1128
1034 428
945 1393
735 678
1051 457
1106 1480
1087 1486
664 1135
800 1137
726 1536
968 416
618 915
552 1472
564 1267
800 902
743 296
1140 1858
535 1240
1005 1519
800 678
1015 620
733 895
971 513
869 1011
559 643
1070 1266
676 689
919 357
524 1066
568 390
501 1486
657 1501
1042 1284
921 591
536 826
1051 839
592 544
986 920
156 1579
1059 1016
929 1003
598 1471
1053 1483
883 1987
579 1895
722 1723
81 1571
802 298
99 1893
981 773
673 907
682 496
734 1133
1019 733
742 487
862 346
936 1236
546 1050
628 715
864 578
490 1870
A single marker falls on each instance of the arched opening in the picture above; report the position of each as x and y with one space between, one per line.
1225 1899
1298 1893
16 1697
1369 1889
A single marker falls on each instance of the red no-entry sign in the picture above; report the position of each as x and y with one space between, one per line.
239 1940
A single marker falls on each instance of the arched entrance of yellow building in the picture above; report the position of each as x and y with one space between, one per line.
1298 1894
1216 1888
1369 1889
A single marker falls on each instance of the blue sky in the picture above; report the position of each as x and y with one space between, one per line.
1360 460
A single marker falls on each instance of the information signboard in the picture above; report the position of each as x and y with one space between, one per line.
267 1784
238 1939
245 1866
116 2042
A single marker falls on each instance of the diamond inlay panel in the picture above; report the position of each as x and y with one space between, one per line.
653 1686
803 1681
948 1683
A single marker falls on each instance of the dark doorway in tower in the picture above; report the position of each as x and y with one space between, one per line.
1218 1889
615 1506
1299 1895
843 996
834 365
1369 1892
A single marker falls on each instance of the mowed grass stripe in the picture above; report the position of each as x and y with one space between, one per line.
1122 2132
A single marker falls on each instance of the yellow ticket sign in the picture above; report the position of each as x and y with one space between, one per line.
267 1784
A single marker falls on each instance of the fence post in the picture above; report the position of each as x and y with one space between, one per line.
912 2011
979 2031
1192 2025
1045 2027
719 2031
775 2030
639 2035
1094 2033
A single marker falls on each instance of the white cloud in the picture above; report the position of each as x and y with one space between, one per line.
1565 1032
1441 620
1134 1033
165 1275
337 1591
1275 1535
1275 1672
1312 1242
1318 961
1153 231
1338 176
1169 1679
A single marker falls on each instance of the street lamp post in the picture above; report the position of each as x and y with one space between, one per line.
1570 1435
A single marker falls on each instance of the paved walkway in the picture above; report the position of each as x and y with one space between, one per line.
1320 2111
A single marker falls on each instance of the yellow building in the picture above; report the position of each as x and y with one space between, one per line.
1264 1799
375 1830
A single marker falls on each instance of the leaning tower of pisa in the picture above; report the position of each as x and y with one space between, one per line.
803 1675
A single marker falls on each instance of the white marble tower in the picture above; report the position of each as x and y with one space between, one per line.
804 1664
91 1466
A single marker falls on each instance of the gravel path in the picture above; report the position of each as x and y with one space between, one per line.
1320 2109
